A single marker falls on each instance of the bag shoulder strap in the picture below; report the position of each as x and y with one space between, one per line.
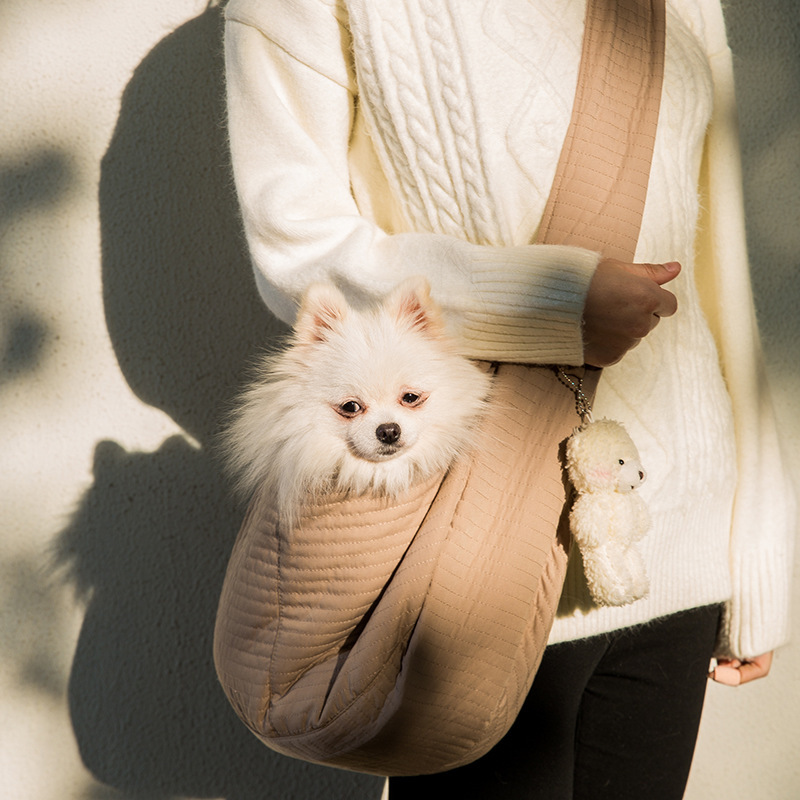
598 194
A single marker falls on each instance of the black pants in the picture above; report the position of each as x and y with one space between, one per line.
613 717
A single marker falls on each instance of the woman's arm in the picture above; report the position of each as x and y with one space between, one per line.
292 109
764 518
290 128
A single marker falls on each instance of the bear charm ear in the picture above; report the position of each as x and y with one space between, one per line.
322 309
411 304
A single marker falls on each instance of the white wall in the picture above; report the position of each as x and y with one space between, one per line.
127 315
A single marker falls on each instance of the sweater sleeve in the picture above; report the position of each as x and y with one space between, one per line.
764 517
291 112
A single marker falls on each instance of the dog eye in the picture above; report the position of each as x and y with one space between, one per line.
350 408
412 399
622 462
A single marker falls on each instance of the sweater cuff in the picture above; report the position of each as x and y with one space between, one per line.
529 304
756 619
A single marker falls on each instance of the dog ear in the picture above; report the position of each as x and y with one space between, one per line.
322 308
411 304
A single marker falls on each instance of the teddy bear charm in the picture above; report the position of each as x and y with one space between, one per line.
608 517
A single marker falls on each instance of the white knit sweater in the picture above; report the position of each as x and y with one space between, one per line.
372 140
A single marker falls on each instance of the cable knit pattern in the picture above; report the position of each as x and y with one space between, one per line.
444 120
421 115
464 159
545 41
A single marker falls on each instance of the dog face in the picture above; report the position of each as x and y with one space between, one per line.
362 401
385 382
385 424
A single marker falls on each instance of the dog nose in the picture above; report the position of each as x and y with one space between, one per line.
388 432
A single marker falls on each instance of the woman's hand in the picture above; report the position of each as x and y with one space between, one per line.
624 303
734 671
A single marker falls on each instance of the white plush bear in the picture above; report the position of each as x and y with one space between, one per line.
608 516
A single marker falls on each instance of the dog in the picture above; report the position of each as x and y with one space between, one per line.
361 401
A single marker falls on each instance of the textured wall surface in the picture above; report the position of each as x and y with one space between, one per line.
127 318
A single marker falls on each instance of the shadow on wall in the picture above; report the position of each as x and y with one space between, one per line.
148 547
766 49
42 178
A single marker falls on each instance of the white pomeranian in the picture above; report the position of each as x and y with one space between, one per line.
361 401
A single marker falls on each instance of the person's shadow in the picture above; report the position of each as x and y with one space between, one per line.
147 548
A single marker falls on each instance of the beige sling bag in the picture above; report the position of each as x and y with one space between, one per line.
401 637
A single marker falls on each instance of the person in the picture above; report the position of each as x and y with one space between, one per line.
371 141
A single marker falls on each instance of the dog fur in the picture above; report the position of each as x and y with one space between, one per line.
361 401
